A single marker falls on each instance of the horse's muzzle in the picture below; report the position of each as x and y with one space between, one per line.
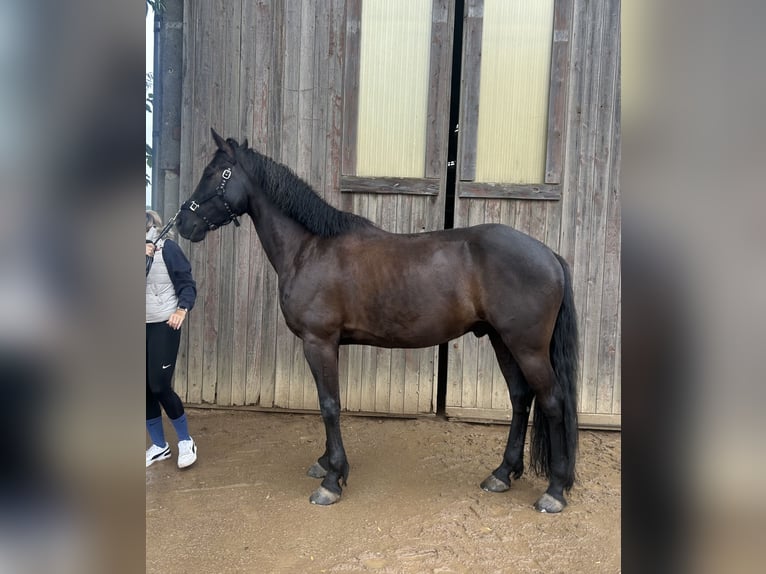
190 229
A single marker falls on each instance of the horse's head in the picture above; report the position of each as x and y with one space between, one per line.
220 196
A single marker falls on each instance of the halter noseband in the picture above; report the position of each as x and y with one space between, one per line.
220 191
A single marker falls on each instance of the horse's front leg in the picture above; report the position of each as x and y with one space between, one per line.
322 357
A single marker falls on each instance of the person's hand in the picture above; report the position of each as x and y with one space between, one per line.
150 249
177 318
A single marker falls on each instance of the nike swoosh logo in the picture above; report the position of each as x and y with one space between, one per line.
167 366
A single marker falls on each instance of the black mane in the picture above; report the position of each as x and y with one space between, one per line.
296 198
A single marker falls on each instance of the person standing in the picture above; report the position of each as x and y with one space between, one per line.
170 294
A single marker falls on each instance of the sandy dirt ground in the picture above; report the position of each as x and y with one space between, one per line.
412 504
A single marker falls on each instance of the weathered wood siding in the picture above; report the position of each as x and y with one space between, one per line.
273 72
583 226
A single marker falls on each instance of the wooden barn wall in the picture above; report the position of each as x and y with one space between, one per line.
272 72
584 227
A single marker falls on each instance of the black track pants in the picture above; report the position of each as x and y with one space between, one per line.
162 343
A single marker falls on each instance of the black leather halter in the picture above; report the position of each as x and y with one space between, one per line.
220 192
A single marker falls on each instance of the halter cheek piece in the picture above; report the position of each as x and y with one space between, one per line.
220 191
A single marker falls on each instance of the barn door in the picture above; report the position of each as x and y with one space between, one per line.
355 96
522 104
509 157
394 166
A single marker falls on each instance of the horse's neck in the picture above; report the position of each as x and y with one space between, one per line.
281 237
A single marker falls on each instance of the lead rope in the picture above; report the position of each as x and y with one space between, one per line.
163 233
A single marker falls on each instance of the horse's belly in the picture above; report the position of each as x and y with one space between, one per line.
413 329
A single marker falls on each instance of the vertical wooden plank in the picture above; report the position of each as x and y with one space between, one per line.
554 154
307 51
537 224
410 375
197 74
255 332
553 225
616 261
576 88
610 151
427 380
291 83
438 101
343 355
617 385
277 91
470 368
302 392
469 89
455 375
212 45
316 50
256 87
286 351
231 334
351 85
275 143
248 46
382 381
320 91
182 375
225 339
241 122
590 203
241 319
284 364
354 384
269 338
332 89
573 196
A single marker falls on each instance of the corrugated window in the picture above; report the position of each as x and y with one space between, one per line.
393 87
513 97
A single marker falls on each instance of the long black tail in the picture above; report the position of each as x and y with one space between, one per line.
564 352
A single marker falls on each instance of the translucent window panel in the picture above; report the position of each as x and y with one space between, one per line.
636 55
393 87
513 97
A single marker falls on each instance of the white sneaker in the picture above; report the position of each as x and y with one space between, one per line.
156 453
187 453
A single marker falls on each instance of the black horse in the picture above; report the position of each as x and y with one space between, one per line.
342 281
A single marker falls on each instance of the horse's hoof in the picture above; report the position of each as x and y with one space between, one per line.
549 504
316 470
323 497
494 484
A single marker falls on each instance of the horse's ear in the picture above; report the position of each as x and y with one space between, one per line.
244 143
224 146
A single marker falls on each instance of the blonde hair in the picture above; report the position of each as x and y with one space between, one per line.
153 219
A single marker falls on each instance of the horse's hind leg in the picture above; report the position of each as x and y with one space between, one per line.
550 455
521 395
